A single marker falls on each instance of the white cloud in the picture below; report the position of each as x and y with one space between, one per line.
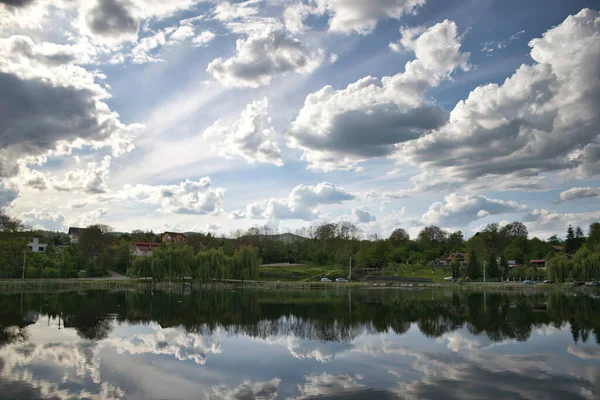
251 136
227 11
182 33
337 129
264 55
88 218
91 180
540 119
460 210
362 215
550 222
189 197
350 16
173 342
327 385
248 390
579 193
43 219
302 203
203 39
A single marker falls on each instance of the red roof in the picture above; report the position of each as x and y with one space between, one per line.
538 261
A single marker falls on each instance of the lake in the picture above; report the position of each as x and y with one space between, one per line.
343 343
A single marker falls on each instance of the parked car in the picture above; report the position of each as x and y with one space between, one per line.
595 283
325 280
548 281
578 283
528 282
341 280
448 279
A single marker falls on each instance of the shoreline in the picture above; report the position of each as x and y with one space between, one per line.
54 285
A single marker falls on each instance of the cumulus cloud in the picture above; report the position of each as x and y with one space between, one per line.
8 194
550 222
172 342
250 137
88 218
189 197
337 129
302 203
541 119
17 3
264 55
53 107
579 193
227 11
91 180
113 19
43 219
350 16
203 39
460 210
362 215
248 390
327 385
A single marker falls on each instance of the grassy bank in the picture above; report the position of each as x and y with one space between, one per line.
284 273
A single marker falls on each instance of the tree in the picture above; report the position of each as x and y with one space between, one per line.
96 243
579 238
455 266
398 237
594 234
455 241
570 241
492 270
13 244
514 230
473 270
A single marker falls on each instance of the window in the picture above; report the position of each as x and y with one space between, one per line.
42 248
168 237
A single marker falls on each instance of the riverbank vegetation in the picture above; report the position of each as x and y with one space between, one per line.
329 249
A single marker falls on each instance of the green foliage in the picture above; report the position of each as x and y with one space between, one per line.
559 269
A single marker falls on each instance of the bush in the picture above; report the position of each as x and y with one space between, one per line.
50 273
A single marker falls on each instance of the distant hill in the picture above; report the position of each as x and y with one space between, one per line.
287 238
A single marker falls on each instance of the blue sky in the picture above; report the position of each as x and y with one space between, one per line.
217 116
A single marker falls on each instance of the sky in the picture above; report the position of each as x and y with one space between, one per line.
213 116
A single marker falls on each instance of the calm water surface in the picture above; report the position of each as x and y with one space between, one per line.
372 344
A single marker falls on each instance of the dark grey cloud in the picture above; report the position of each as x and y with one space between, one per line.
373 132
24 46
113 18
35 115
17 3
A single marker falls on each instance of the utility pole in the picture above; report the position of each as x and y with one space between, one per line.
24 262
484 272
350 270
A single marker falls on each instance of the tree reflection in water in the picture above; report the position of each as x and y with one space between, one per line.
320 315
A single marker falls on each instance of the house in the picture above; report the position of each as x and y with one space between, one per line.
558 249
458 256
36 247
173 237
538 263
144 249
75 234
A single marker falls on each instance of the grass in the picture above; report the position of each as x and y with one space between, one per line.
300 273
438 274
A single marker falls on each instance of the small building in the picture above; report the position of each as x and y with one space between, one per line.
538 263
75 234
36 247
458 256
144 249
173 237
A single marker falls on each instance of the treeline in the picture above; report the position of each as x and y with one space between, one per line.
178 261
210 257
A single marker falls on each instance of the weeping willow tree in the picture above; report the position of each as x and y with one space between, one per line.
559 269
211 264
179 261
245 263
